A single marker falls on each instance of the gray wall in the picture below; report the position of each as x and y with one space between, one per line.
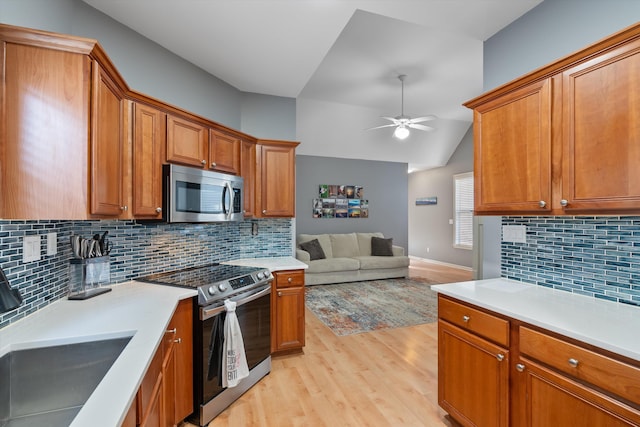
548 32
151 69
429 224
385 186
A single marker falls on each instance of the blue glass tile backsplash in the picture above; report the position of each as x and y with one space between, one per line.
139 249
595 256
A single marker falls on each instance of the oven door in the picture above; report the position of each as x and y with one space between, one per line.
253 310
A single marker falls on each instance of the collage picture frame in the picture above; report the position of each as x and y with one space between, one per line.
340 201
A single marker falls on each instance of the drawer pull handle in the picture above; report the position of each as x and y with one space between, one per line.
520 367
573 363
465 319
500 357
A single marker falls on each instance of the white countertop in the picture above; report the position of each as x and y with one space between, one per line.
605 324
131 309
273 264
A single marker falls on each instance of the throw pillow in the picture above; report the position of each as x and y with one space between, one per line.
314 249
381 247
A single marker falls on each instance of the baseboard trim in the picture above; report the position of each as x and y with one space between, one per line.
446 264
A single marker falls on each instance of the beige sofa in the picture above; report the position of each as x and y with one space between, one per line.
348 258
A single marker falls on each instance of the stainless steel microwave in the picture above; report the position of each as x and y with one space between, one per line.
196 195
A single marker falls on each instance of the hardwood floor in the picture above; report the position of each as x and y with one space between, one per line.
381 378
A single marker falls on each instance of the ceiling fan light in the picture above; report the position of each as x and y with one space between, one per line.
401 133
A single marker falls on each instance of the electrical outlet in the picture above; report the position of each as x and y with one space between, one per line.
52 243
30 249
428 249
514 233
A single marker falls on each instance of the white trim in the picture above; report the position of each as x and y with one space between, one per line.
446 264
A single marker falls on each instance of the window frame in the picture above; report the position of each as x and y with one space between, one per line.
462 178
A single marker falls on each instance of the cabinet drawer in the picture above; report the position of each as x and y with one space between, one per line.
602 371
288 279
474 320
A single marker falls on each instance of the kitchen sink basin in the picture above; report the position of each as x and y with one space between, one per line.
48 385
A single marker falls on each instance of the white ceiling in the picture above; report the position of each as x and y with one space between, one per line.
337 51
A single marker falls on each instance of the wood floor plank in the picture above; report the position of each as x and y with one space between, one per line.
374 379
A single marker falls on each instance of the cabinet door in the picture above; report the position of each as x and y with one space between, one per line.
248 172
512 157
551 399
107 146
289 325
183 349
473 378
601 132
224 152
169 388
276 180
148 151
44 99
187 142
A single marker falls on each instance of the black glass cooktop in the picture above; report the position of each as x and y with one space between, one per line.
195 277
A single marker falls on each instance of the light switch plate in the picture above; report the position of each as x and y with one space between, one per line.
52 243
31 249
514 233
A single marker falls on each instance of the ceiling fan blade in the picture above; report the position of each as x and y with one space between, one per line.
383 126
421 127
423 119
391 119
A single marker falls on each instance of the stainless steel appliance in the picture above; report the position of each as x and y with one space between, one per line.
196 195
250 288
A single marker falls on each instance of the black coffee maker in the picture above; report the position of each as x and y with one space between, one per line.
10 299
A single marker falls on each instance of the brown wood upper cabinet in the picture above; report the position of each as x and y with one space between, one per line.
248 172
224 152
149 136
187 142
275 178
563 139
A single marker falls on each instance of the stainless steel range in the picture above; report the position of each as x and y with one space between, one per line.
250 288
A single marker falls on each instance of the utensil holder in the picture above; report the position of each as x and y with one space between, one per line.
88 276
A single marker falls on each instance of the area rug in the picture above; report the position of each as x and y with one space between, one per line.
356 307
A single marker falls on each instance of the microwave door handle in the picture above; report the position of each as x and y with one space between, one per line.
229 191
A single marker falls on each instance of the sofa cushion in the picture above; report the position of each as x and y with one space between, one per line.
375 262
364 242
333 265
314 249
381 247
323 239
344 245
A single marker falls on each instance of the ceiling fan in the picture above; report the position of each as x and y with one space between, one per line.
402 122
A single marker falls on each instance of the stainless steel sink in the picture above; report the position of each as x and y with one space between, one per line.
47 386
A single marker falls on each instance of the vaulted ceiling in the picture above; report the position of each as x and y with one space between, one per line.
338 52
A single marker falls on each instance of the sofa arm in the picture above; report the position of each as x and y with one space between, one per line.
397 250
303 255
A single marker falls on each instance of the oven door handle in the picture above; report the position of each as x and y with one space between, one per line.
207 313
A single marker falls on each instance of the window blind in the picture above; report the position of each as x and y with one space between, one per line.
463 210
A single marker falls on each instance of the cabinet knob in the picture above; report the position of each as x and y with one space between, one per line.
264 211
564 202
573 363
465 319
279 293
172 331
158 210
178 341
204 162
500 357
124 208
520 367
289 280
213 164
542 203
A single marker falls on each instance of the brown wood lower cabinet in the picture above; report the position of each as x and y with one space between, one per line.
165 397
535 379
287 311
